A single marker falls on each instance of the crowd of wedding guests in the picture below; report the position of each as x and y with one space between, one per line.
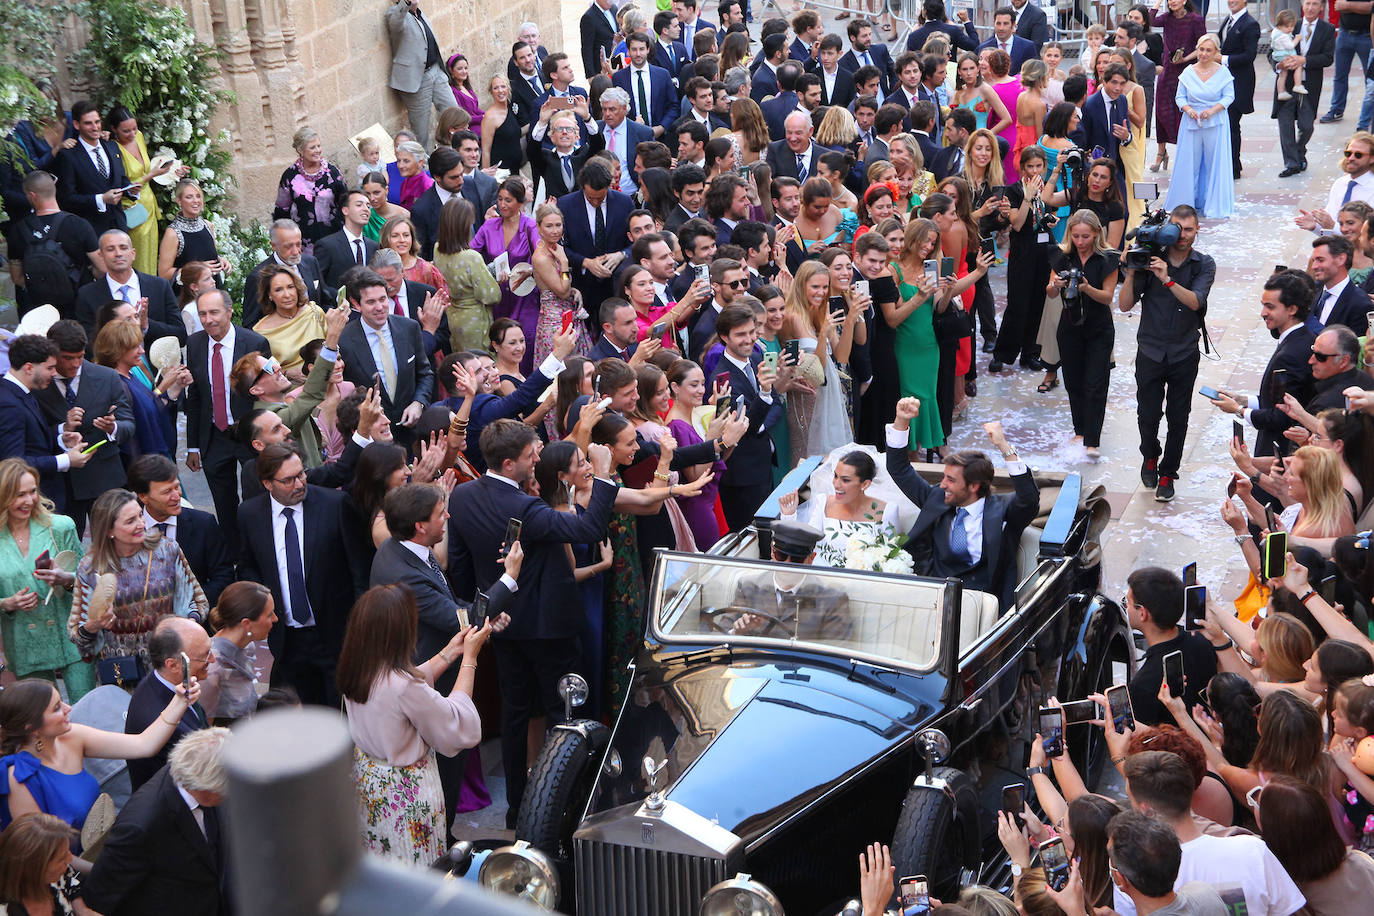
619 310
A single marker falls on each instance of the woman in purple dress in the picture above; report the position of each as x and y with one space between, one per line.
1182 27
687 385
463 93
513 232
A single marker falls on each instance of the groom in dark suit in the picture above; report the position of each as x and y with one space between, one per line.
964 530
1105 121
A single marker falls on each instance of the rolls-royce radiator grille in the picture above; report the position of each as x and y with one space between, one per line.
617 880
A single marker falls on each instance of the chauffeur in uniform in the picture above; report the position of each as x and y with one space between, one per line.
811 609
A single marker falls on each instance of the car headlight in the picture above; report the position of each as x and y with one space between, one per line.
740 896
934 743
524 872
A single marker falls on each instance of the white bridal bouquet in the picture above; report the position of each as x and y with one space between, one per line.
878 551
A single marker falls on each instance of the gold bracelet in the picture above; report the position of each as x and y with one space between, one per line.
173 724
659 475
447 660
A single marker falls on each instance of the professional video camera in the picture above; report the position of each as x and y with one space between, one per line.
1154 235
1071 276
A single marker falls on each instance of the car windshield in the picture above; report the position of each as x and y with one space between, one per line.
885 619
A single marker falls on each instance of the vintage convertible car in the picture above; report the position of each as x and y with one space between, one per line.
780 754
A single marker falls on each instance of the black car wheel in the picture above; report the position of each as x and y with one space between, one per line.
560 785
937 833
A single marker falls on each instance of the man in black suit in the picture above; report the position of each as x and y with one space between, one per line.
148 294
1316 41
293 540
962 37
886 125
346 248
529 36
285 237
261 427
24 430
90 176
166 852
416 518
794 156
963 529
1030 23
1240 35
527 81
1283 309
748 477
1339 301
698 103
1005 38
406 373
689 187
728 280
446 165
864 53
213 406
727 203
837 83
94 398
153 479
540 644
690 23
565 158
764 82
950 159
419 302
598 29
593 240
479 188
171 637
808 608
776 109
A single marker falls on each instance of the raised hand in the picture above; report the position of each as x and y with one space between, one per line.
600 458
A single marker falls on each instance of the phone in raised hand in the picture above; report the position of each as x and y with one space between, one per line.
1055 858
1173 672
185 672
1194 606
1014 801
915 891
1052 731
1119 703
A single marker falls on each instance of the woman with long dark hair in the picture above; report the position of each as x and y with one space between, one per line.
1100 194
1181 26
1308 846
1028 260
514 233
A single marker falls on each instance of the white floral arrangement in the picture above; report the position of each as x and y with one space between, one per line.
878 551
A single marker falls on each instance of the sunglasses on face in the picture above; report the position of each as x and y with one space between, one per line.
1353 154
269 366
739 284
1322 357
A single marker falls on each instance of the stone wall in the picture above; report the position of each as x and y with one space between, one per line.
327 63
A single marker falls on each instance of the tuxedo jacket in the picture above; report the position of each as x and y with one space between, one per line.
78 183
1004 518
1291 355
753 459
335 256
335 575
26 433
200 409
438 342
597 35
202 543
414 372
662 95
396 564
100 391
783 161
309 272
164 315
1021 51
156 858
880 57
150 698
776 110
1240 47
478 513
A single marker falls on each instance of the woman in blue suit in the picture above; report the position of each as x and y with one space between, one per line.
1202 172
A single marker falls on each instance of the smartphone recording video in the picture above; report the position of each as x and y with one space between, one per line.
1119 703
1052 731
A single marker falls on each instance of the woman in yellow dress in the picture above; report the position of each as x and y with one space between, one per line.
1133 153
289 319
143 215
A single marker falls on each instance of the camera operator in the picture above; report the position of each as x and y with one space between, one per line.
1173 301
1084 277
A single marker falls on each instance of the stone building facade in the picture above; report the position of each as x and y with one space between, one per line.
327 63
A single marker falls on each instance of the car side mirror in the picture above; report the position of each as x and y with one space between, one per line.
574 691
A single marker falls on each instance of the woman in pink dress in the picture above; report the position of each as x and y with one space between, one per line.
513 232
1008 87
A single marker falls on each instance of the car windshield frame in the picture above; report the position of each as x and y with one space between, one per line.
671 604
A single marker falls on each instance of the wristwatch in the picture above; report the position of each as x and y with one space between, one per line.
1016 870
1035 771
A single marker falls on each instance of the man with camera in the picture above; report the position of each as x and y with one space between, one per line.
1172 288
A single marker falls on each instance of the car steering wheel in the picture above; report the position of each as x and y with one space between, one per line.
713 616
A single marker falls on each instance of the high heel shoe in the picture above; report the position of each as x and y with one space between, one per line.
1161 161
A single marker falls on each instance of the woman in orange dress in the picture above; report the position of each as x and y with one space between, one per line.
1030 106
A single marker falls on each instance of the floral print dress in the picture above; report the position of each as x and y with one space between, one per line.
314 200
624 618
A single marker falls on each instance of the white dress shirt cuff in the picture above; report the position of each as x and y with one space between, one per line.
1016 468
64 462
1252 402
551 367
328 355
192 451
897 438
593 128
100 203
538 130
509 583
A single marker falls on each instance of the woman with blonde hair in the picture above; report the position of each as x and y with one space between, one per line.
556 293
1030 106
311 191
818 419
398 234
1086 332
837 129
749 129
502 132
189 237
289 319
910 163
36 602
1280 646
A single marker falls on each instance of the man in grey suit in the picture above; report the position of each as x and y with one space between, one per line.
416 516
94 399
390 347
963 529
417 66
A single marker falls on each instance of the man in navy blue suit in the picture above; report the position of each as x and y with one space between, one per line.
540 644
653 98
748 477
765 79
617 133
1105 119
1005 38
90 175
864 53
690 22
806 25
776 109
24 430
596 227
172 637
1030 23
668 52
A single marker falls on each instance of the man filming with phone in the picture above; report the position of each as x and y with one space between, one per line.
1173 300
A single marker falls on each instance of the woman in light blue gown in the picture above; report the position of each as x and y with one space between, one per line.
1202 173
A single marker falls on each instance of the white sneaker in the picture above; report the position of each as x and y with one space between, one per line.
1283 96
1300 90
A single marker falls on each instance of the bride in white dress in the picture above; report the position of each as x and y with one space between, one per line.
817 412
852 508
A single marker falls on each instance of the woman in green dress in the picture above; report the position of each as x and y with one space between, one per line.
472 290
35 603
774 310
918 353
